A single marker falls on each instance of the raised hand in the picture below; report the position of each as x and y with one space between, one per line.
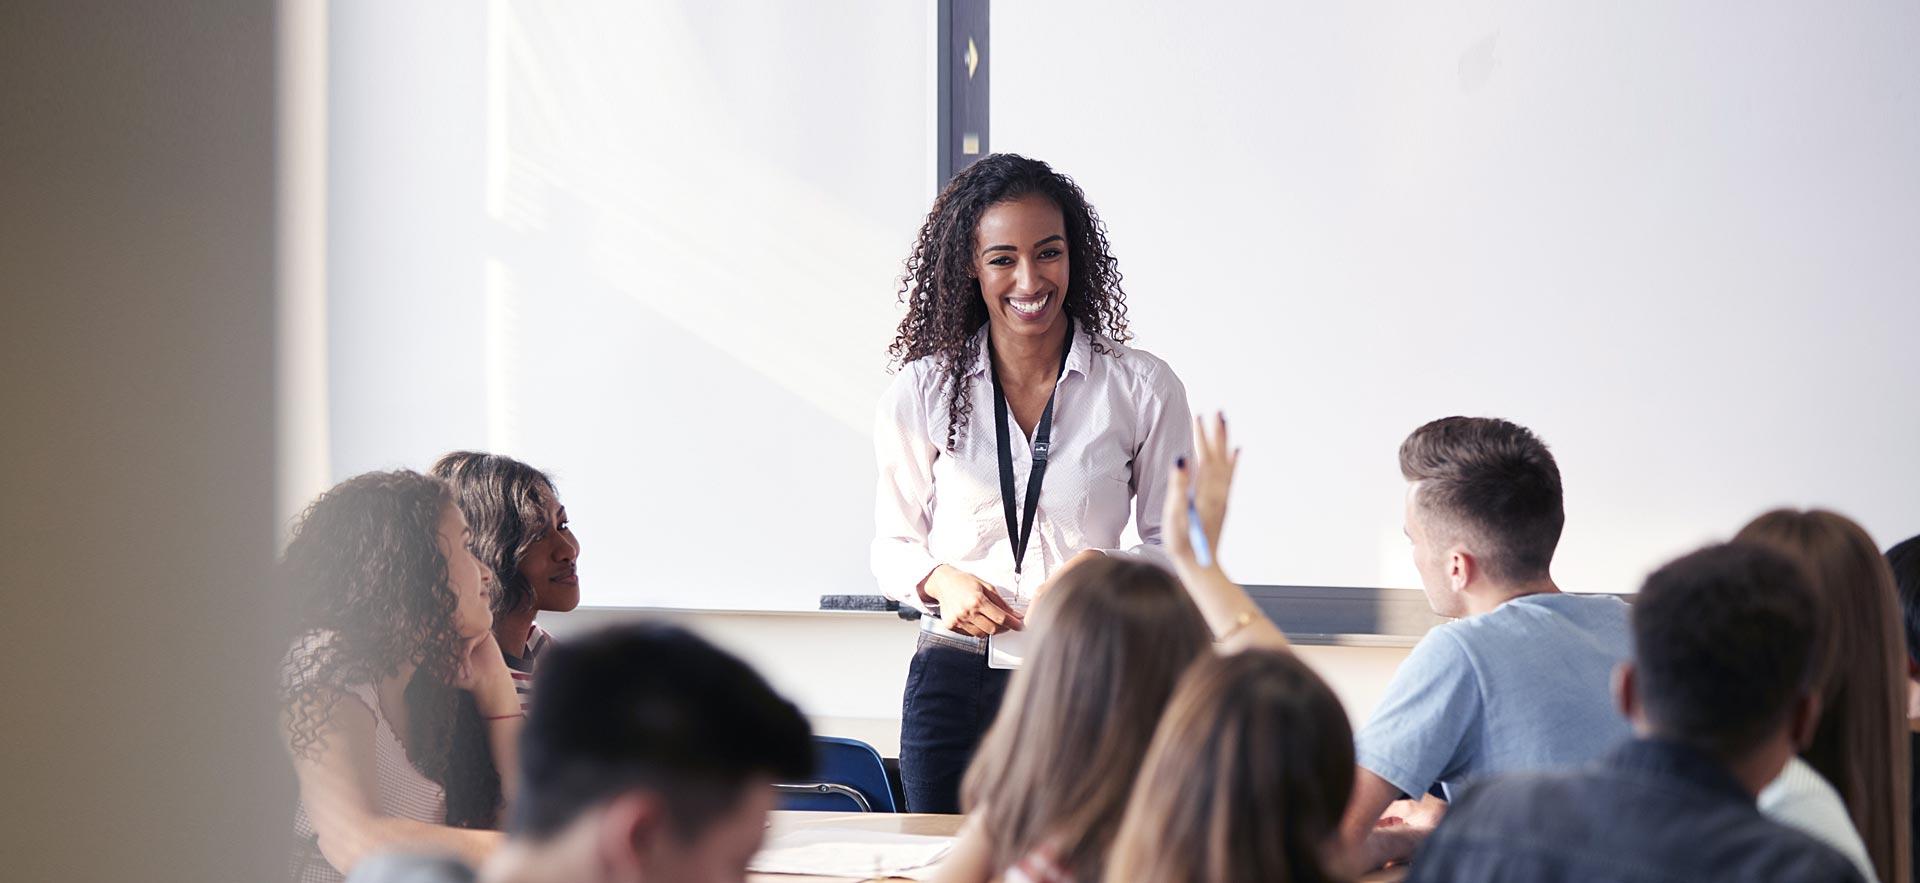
1206 478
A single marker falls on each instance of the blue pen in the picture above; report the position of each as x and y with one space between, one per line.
1197 536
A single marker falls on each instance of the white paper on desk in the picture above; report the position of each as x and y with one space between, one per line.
848 852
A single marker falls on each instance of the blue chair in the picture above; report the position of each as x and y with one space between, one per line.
848 776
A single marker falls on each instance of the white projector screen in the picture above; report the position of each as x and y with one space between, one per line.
1679 241
653 248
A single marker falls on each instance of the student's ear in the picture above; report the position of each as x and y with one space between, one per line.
1462 569
1626 695
631 826
1805 719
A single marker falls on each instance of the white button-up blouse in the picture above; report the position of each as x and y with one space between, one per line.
1120 419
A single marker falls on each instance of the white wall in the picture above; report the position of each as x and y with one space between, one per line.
648 247
1677 240
652 248
847 670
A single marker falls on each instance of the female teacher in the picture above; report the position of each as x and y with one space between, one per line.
1014 306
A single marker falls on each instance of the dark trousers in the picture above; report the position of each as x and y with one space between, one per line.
950 700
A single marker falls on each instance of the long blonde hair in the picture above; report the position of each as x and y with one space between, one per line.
1861 744
1247 778
1111 638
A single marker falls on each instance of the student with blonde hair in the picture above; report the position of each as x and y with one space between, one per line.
1046 791
1247 779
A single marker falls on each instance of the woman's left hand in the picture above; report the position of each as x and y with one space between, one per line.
484 673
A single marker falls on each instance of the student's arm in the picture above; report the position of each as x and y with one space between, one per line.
1208 474
971 858
486 676
1372 844
1421 733
337 785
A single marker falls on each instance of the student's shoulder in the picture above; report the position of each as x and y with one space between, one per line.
1540 617
1783 853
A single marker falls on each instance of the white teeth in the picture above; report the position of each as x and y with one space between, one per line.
1029 307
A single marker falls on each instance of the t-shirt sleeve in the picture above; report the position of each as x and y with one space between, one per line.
1423 729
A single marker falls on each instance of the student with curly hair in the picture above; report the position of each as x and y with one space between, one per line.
1017 435
386 590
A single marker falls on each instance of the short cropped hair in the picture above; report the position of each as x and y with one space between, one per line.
1494 481
1725 641
1904 559
651 706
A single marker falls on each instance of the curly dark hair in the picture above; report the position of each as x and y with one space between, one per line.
372 595
505 502
944 308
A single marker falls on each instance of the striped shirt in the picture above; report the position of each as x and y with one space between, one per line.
400 790
521 666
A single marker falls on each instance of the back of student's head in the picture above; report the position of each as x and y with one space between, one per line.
1725 642
1111 638
505 502
1247 778
651 707
1861 742
1904 560
1491 482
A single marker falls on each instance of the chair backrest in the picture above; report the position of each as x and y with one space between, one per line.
849 776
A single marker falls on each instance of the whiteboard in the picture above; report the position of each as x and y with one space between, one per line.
1679 241
653 249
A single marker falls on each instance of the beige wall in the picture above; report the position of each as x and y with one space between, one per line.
136 265
846 670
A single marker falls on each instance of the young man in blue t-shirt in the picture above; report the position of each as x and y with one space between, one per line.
1520 680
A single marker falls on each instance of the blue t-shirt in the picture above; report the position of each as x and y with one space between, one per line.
1525 686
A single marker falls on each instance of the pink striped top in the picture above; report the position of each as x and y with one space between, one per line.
400 791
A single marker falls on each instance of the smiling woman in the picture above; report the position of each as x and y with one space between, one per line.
520 532
1012 298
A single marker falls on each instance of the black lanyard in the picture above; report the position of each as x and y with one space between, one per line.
1017 531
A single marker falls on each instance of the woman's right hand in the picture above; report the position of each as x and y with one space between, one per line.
969 605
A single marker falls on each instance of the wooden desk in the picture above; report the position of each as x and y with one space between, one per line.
911 823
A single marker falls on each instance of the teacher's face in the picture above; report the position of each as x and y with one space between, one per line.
1020 258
